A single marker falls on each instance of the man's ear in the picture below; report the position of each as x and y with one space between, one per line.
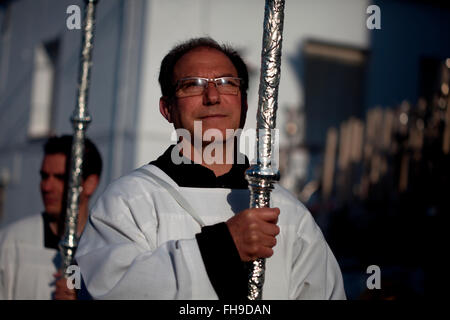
165 108
90 184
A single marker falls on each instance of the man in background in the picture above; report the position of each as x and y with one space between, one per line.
29 253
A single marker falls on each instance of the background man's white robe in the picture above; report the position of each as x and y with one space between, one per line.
26 265
140 244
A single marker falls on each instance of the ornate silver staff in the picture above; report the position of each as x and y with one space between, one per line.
262 176
80 120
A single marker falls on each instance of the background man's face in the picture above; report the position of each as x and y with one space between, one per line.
53 177
212 109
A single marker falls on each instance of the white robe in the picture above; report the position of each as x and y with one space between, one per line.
140 243
26 265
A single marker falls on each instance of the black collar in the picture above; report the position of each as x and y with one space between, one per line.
197 176
51 240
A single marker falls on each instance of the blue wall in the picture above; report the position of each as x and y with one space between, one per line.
409 30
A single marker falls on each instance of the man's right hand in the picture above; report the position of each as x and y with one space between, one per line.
253 231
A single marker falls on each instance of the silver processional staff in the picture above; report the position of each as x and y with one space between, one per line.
262 176
80 120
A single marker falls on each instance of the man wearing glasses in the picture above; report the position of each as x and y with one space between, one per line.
183 230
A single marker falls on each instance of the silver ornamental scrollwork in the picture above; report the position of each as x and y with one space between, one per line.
262 176
80 120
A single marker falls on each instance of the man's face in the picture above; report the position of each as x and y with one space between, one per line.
214 110
53 177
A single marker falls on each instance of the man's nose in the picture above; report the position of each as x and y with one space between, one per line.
47 184
211 95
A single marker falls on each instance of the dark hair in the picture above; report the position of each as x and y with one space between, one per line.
92 161
168 63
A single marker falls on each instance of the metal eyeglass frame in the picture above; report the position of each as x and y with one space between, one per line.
216 82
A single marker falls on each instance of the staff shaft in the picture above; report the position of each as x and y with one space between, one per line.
263 175
80 120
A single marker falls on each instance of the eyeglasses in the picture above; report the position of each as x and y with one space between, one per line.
196 86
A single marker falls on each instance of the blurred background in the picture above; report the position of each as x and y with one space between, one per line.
364 116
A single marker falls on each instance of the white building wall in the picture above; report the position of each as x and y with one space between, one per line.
239 23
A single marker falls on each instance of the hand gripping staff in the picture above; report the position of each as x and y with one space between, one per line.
262 176
80 120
